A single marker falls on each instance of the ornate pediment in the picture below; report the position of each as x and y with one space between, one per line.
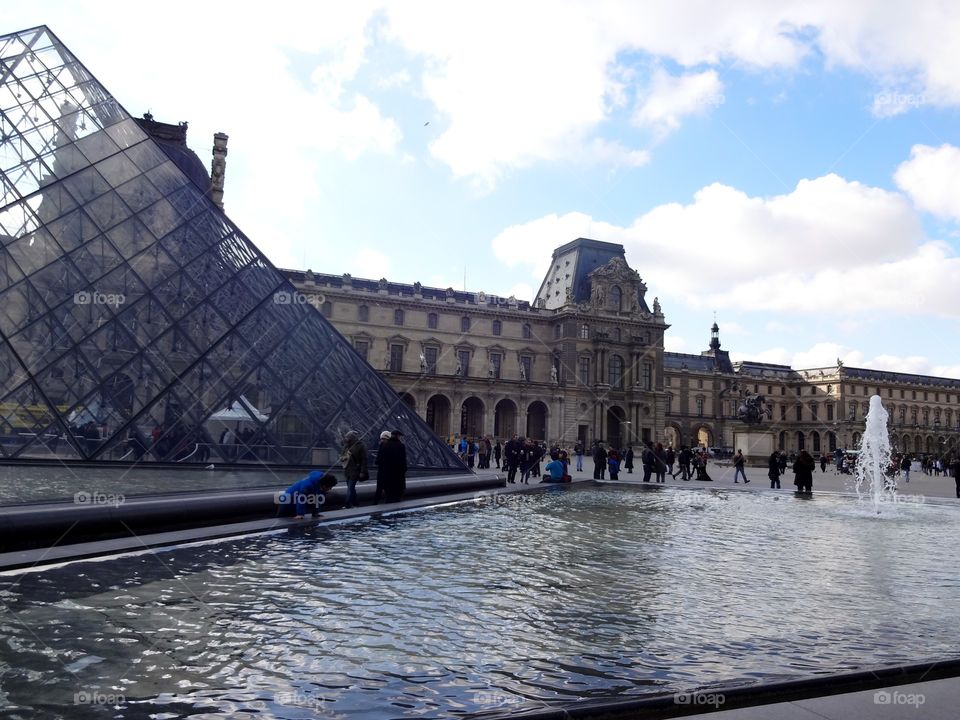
616 287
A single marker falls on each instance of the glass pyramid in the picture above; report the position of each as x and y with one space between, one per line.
138 323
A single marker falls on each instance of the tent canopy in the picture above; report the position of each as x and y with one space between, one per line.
238 411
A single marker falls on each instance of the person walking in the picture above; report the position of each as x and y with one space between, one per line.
497 453
354 463
578 451
378 494
628 460
773 472
613 462
738 462
803 473
599 460
649 461
511 457
905 467
528 456
823 462
955 466
660 463
671 459
684 459
392 467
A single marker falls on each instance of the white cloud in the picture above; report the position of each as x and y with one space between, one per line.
931 177
830 243
831 248
672 97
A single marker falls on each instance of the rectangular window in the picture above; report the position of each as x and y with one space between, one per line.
669 404
648 376
799 413
813 413
769 389
783 390
700 383
396 358
495 362
699 407
432 321
431 354
363 349
463 361
783 412
668 381
584 371
901 393
829 413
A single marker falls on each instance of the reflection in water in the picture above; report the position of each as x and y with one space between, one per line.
518 603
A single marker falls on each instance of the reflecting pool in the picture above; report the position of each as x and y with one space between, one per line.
515 602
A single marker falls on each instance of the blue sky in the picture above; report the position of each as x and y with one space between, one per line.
793 168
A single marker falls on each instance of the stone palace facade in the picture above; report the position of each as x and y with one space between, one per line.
585 360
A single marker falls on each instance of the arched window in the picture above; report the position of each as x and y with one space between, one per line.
615 372
616 298
526 331
497 327
363 313
326 309
398 317
616 334
432 321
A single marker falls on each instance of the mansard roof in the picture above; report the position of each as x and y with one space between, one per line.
570 268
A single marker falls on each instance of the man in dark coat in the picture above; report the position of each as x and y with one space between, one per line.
803 470
511 457
599 461
773 472
392 468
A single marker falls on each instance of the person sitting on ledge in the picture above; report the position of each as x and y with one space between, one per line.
556 470
311 491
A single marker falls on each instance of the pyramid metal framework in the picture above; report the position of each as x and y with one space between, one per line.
137 322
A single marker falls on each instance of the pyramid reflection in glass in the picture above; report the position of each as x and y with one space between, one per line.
138 323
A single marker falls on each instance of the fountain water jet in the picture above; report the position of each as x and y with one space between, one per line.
873 461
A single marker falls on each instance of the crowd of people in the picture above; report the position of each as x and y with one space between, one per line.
522 457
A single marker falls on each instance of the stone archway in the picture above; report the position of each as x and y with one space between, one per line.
673 436
438 415
704 437
471 417
618 429
801 441
409 400
505 419
537 420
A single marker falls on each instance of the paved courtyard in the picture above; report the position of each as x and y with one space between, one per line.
830 481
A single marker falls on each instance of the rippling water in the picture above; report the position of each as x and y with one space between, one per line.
519 602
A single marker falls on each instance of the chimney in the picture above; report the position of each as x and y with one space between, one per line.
218 168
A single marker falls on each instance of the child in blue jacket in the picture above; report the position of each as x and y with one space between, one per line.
309 491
